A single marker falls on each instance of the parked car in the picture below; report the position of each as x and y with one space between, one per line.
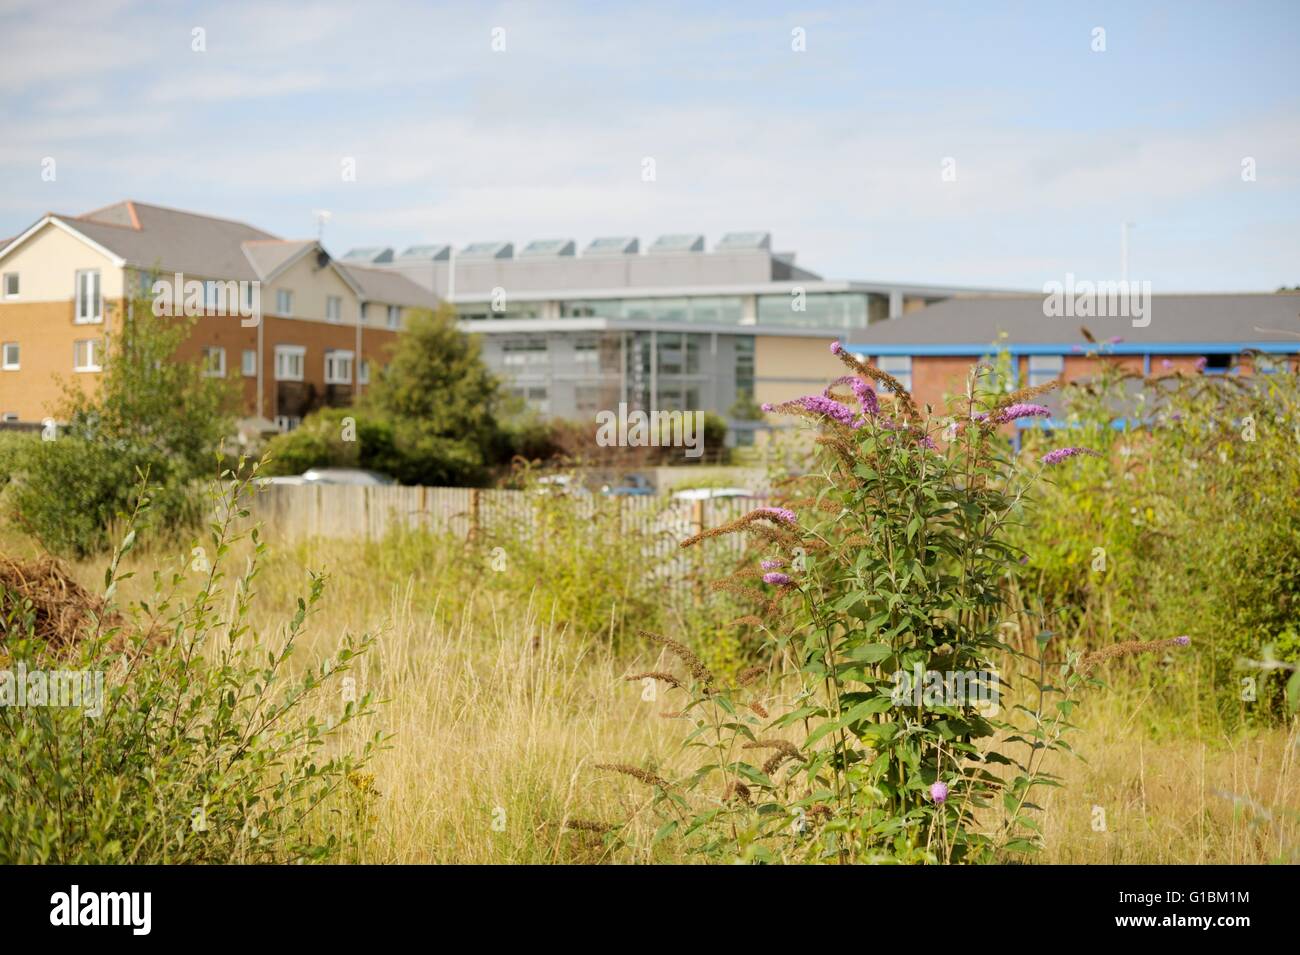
632 485
711 493
354 476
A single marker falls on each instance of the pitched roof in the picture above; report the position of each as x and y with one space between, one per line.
385 285
155 237
150 237
979 321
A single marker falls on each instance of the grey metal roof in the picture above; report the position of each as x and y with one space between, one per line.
370 253
427 253
387 286
548 247
980 319
613 245
678 242
488 250
744 242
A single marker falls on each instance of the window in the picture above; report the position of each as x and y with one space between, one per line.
89 306
1269 364
394 316
10 356
1218 364
86 354
289 360
333 308
363 371
338 368
287 422
524 351
283 302
1044 369
214 362
10 285
9 416
900 366
248 364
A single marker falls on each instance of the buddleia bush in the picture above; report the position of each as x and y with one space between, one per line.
203 746
883 724
1188 522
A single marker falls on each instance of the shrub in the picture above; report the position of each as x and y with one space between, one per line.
150 413
1187 523
203 747
893 558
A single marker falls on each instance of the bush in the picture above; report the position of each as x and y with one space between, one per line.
1187 523
896 561
149 414
202 748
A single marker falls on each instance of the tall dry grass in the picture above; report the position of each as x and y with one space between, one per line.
498 714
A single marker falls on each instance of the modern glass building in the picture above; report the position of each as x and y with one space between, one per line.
672 328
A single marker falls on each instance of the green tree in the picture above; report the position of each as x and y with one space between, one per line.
151 413
441 401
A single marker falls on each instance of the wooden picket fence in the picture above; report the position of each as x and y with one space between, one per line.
301 512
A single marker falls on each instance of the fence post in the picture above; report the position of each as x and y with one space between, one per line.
473 514
697 527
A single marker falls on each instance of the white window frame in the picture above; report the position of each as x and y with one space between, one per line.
283 352
333 308
363 371
287 422
1042 369
332 374
4 285
8 365
900 366
94 354
394 318
10 416
209 369
83 277
283 302
248 363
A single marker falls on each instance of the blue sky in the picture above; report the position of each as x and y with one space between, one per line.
837 150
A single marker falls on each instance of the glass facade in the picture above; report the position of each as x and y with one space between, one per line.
698 310
574 375
832 310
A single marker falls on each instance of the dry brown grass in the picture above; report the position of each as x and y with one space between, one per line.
499 716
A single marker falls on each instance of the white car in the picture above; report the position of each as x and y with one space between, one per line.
711 493
354 476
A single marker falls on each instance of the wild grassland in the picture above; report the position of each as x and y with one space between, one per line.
498 713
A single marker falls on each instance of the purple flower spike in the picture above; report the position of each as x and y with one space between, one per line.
836 348
766 406
1166 363
782 515
1060 454
819 404
777 578
771 563
1012 412
1201 363
866 397
939 793
1183 641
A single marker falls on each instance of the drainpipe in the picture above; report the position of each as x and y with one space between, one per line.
261 400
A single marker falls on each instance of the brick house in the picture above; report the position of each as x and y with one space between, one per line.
931 351
325 326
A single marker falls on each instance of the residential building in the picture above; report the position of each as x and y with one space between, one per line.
324 327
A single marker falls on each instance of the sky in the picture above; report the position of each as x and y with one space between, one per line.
987 144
